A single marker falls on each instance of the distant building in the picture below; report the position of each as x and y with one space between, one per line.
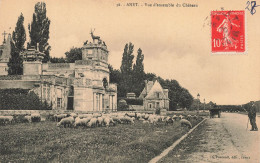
81 86
5 54
154 96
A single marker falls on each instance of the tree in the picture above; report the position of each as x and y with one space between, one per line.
57 60
138 73
127 59
15 63
73 55
186 99
39 30
114 75
19 34
126 68
150 76
179 97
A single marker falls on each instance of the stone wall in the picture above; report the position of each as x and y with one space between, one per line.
136 107
7 84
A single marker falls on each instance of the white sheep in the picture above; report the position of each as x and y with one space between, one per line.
146 116
174 117
139 116
126 119
74 115
141 119
6 119
145 121
100 121
168 120
153 119
66 122
28 118
160 118
116 119
58 117
96 115
131 115
81 122
185 122
92 122
108 121
35 117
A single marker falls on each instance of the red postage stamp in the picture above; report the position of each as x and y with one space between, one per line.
227 31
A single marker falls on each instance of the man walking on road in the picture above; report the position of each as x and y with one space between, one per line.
252 117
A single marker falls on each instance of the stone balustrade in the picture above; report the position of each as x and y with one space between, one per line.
10 77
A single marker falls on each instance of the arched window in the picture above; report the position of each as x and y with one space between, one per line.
105 83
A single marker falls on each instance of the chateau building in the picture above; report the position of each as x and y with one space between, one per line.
80 86
154 96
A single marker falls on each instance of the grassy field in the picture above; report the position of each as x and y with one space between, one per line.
43 141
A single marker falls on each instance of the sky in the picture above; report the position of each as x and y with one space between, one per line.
176 41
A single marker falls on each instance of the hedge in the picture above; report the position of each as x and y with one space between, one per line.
21 99
136 101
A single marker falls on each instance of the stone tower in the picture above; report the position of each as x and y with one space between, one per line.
97 52
96 55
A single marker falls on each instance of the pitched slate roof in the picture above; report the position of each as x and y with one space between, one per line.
151 90
147 88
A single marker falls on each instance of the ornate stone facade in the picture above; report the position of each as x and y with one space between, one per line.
81 86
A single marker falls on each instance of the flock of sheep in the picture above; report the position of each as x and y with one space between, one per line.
35 117
111 119
6 119
102 119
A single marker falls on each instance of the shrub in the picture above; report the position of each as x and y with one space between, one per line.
134 101
122 105
21 99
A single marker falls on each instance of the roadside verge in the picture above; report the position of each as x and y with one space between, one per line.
166 151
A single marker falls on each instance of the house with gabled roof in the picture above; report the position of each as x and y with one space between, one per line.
154 96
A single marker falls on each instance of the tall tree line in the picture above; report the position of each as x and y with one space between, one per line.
15 63
130 78
39 35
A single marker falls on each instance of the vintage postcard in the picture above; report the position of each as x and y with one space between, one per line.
129 81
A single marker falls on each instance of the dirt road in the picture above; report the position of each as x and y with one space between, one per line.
222 139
